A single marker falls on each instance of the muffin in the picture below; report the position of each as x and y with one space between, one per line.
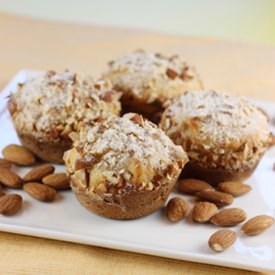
124 167
224 136
148 80
45 109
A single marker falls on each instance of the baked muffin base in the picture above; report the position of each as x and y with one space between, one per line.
132 205
47 151
215 176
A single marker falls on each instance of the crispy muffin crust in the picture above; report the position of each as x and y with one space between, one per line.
147 79
218 131
123 168
47 108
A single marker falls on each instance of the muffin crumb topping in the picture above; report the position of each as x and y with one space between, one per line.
128 150
217 129
152 77
53 104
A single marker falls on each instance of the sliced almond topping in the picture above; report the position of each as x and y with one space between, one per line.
171 73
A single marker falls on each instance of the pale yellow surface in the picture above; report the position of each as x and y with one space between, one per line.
25 43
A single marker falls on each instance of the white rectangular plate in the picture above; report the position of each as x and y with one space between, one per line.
65 219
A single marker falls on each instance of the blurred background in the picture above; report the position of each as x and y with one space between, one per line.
238 20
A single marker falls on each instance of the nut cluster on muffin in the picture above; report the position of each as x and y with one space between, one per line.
123 167
148 80
46 108
224 136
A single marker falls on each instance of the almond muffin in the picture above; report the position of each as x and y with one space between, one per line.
124 167
224 135
45 109
148 80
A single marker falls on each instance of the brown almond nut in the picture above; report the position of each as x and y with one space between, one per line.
229 217
204 211
58 181
257 225
18 155
177 209
10 204
138 119
219 198
171 73
2 192
222 239
234 188
40 191
5 163
39 172
9 178
191 186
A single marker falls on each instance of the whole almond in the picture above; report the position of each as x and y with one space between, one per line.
177 209
234 188
9 178
40 191
39 172
229 217
191 186
10 204
219 198
204 211
18 155
2 192
222 239
257 225
58 181
5 163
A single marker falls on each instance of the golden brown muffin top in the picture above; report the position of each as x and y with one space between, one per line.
54 103
217 128
126 149
151 77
